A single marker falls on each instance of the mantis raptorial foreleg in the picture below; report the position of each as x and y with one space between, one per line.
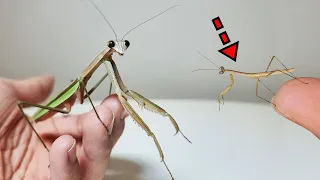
144 126
227 89
122 92
147 104
142 101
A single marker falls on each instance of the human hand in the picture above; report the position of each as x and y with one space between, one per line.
79 145
300 103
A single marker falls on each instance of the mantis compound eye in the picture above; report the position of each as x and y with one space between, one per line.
111 44
126 43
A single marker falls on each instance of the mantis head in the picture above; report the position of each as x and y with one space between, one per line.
221 70
119 46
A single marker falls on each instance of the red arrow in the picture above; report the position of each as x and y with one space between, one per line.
230 51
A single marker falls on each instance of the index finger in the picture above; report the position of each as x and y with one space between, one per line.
300 103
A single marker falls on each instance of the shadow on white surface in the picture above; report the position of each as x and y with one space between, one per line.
123 169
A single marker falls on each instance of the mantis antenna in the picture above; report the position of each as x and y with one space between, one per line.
149 20
208 59
96 7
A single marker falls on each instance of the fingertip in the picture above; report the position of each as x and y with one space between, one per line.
299 102
292 94
104 119
61 145
96 141
115 105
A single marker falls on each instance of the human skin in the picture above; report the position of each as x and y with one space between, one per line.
79 145
300 103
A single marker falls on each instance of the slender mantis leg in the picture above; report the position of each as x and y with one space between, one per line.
227 89
145 127
258 80
98 84
256 76
274 57
20 105
144 102
55 109
122 91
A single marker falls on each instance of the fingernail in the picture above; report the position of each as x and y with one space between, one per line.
72 152
123 115
110 126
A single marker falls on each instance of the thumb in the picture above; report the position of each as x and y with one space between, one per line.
34 89
300 103
64 164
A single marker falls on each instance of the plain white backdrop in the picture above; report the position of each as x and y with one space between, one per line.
61 37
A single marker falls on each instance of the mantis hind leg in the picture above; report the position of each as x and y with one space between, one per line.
291 74
147 104
20 105
144 126
273 57
227 89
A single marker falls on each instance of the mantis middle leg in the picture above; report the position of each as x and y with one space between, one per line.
98 84
257 86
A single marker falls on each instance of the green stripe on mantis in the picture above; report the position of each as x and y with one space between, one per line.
62 97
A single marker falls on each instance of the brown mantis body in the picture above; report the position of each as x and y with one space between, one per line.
64 101
254 75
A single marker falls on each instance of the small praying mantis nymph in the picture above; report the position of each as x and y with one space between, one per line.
254 75
64 101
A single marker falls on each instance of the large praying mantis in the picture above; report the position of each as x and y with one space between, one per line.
64 101
254 75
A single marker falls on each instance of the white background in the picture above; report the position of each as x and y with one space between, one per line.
61 37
